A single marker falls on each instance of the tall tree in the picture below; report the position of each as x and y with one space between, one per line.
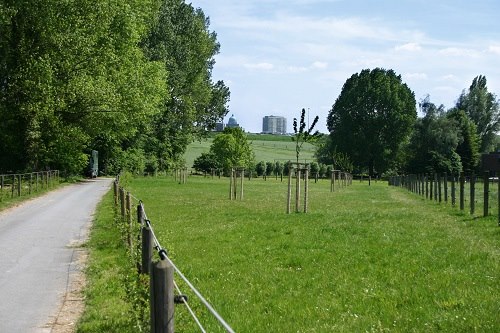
372 118
434 141
180 38
65 76
469 141
482 108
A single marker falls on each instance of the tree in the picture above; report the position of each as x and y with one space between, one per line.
65 87
206 162
180 38
261 168
301 134
233 149
482 108
469 141
434 141
372 118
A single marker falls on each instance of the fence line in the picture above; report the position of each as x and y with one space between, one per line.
20 184
161 272
435 187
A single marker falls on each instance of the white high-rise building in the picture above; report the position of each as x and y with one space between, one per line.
274 125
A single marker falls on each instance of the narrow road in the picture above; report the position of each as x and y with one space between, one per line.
37 247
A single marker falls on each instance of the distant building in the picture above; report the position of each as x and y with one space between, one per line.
274 125
232 122
219 127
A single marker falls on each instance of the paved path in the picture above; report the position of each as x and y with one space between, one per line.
37 253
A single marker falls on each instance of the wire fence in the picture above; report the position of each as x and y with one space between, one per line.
478 195
164 292
21 184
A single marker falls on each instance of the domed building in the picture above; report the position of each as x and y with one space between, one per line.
232 122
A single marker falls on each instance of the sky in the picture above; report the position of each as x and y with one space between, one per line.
280 56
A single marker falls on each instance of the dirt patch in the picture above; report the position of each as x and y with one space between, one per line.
73 301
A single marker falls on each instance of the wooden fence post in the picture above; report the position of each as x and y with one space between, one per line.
462 188
486 193
289 195
297 189
472 194
146 250
445 187
128 209
439 187
115 191
453 191
162 297
19 185
122 202
13 185
306 188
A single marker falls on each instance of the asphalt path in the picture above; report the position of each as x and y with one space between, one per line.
37 246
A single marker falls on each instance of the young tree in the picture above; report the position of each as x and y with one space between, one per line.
233 149
372 118
303 134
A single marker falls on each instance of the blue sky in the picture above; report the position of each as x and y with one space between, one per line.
279 56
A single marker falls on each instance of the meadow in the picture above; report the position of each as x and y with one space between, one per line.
364 259
269 148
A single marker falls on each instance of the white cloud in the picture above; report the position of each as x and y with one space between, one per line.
495 49
319 65
411 47
459 52
417 76
260 66
296 69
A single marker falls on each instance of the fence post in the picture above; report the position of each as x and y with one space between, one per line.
115 191
306 188
1 186
297 189
289 193
453 191
472 194
439 187
431 191
445 187
162 297
13 185
462 187
146 249
128 209
486 189
19 184
122 202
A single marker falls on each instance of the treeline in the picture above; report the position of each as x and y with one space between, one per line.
131 79
374 128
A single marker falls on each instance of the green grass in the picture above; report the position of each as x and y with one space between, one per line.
265 149
364 259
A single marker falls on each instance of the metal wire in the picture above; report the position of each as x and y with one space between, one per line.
163 255
202 299
189 309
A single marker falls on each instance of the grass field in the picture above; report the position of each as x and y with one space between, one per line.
364 259
282 148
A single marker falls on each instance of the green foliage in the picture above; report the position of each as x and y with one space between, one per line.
434 142
469 141
206 162
181 40
261 168
232 149
269 168
482 108
279 168
110 76
372 118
